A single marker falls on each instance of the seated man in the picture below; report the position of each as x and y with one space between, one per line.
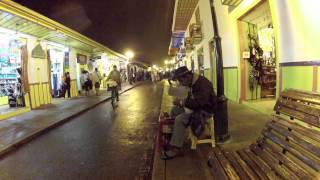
201 98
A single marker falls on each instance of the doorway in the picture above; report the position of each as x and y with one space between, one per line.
57 59
258 58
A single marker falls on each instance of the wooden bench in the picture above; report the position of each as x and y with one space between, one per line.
289 147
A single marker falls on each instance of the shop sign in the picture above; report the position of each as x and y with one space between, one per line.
177 39
38 52
246 55
66 60
81 59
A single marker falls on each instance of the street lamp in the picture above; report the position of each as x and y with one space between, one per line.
129 54
221 115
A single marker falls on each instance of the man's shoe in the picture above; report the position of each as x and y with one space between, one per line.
170 154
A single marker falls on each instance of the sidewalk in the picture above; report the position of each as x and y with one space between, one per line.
21 129
245 125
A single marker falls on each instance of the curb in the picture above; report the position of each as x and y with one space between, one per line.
6 150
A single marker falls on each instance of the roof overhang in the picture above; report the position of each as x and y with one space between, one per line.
21 19
231 2
182 14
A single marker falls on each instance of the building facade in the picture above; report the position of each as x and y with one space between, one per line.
267 45
35 54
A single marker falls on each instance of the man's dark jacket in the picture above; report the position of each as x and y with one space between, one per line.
202 96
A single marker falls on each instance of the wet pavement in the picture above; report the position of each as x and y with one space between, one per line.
99 144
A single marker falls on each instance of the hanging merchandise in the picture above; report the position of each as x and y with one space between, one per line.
256 58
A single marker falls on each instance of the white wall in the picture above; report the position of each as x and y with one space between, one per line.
298 24
226 32
228 35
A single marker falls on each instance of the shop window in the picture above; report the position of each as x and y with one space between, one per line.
10 66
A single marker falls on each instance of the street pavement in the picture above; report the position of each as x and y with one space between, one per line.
99 144
21 129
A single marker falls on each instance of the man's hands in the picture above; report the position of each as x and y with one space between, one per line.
178 102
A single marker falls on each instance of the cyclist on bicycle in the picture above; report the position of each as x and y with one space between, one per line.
115 76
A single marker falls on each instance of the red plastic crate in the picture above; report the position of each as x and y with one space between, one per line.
164 131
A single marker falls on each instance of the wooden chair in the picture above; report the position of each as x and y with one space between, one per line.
209 131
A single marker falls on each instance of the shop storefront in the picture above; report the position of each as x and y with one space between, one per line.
257 44
57 72
11 92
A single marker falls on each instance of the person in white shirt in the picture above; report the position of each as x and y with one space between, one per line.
85 81
96 78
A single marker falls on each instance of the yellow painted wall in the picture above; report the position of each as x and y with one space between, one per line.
74 88
39 94
3 100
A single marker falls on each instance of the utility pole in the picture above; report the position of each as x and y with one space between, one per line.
221 115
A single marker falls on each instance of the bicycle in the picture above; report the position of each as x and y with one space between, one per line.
113 86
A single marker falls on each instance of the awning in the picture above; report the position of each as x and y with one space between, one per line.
183 13
21 19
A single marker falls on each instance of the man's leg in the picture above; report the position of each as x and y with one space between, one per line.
178 134
68 89
117 93
176 110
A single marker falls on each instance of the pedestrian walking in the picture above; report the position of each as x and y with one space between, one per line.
67 81
96 80
85 81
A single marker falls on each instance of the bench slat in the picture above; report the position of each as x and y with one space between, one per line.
231 173
286 161
262 164
217 169
245 166
306 145
242 174
299 106
273 163
287 146
310 119
311 133
310 97
252 165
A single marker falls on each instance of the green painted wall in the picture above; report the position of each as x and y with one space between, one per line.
297 77
231 84
207 73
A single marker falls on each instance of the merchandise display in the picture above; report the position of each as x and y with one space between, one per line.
10 61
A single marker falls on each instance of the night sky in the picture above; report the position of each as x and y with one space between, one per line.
141 25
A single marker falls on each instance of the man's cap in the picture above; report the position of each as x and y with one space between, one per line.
180 72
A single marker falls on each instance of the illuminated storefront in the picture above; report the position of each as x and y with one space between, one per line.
10 62
57 69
